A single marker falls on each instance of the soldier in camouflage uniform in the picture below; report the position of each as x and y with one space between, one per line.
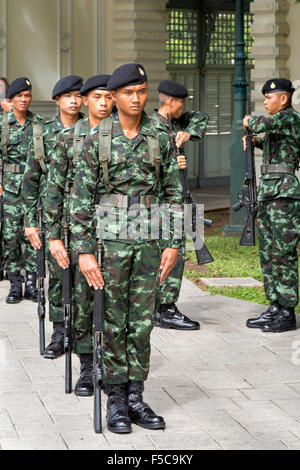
278 205
69 101
60 183
16 132
127 177
188 126
5 103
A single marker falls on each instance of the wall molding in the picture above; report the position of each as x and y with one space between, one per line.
3 38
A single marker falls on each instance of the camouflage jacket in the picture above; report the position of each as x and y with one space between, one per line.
193 122
19 146
131 174
34 181
281 145
60 180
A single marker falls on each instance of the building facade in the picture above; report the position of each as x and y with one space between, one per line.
191 41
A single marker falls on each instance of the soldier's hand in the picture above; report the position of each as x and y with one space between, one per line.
245 121
168 261
1 190
32 234
90 269
181 138
182 164
244 139
59 252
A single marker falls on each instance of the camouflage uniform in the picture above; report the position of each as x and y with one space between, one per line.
279 205
57 208
19 145
195 124
35 189
131 266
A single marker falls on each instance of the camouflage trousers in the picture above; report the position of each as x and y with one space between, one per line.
13 239
82 303
279 234
170 289
131 276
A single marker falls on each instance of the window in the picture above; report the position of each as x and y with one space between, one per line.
183 43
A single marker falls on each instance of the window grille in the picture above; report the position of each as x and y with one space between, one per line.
222 42
183 43
183 37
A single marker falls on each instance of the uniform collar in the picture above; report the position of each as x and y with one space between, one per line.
12 118
146 127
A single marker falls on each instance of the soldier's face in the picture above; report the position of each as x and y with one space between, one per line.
100 103
21 101
69 103
131 100
6 105
274 102
177 107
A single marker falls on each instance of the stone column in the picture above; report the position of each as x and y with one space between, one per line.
270 51
138 34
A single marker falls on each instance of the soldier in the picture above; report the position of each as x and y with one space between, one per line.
67 95
17 127
188 126
5 103
60 181
278 205
124 177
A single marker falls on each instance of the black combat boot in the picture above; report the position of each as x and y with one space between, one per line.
139 412
85 384
284 321
56 348
31 291
265 317
168 316
15 294
118 420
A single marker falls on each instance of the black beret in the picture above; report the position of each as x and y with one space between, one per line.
18 85
66 84
126 75
173 89
277 84
97 82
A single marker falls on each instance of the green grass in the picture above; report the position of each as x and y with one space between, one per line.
230 260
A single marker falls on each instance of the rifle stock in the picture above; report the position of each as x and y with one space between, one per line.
67 304
41 274
203 255
98 319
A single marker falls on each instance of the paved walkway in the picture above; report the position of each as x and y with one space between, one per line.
223 387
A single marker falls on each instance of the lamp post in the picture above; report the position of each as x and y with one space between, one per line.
237 158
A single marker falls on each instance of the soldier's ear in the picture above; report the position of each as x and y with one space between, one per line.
85 100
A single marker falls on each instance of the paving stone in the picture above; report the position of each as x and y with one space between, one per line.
178 441
231 282
222 387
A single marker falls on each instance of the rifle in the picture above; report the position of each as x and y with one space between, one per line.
67 304
248 198
1 221
202 253
98 319
41 274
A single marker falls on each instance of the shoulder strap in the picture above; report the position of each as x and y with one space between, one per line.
5 134
105 136
38 145
154 155
77 142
